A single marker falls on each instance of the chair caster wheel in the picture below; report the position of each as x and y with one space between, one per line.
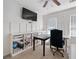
62 56
54 54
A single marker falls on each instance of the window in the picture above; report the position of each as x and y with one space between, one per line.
72 25
51 24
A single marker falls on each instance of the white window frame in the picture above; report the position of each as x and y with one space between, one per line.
71 26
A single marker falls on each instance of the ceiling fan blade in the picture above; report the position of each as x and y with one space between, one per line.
56 2
45 3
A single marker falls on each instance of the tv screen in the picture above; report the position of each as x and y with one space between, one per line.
29 15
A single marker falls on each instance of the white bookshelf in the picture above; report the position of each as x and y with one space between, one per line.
17 38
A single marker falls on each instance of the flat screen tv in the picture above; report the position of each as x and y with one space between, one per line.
29 15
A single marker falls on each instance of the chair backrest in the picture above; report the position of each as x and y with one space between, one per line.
56 38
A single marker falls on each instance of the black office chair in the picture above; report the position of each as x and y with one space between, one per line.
57 41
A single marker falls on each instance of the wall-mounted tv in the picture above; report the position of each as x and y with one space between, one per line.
29 15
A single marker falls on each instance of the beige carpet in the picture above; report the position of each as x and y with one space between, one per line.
37 54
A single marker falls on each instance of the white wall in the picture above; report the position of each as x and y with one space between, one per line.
63 20
12 19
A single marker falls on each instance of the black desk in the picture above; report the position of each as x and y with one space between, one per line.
43 38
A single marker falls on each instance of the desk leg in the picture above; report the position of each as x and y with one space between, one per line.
41 42
31 39
33 44
66 47
43 48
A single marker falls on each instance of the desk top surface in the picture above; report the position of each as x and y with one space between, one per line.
45 36
42 36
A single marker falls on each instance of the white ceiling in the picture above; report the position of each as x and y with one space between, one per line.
37 5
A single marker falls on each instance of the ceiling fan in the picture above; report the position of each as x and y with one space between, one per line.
55 1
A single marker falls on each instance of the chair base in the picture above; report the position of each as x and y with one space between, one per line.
58 50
